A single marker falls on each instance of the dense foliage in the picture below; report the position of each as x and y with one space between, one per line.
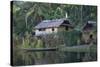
27 14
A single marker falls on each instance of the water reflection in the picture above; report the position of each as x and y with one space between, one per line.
50 57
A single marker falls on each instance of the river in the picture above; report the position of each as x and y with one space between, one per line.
22 57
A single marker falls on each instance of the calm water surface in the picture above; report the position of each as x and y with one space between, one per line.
50 57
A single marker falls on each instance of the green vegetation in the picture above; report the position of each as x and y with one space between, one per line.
26 15
83 48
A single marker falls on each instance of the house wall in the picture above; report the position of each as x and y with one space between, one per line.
86 36
61 29
49 30
46 31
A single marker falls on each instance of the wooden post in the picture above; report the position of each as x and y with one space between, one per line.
78 54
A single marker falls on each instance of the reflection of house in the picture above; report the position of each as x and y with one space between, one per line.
52 26
89 31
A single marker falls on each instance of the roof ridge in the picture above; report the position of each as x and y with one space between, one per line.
50 23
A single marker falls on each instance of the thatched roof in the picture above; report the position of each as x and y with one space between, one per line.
53 23
89 25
